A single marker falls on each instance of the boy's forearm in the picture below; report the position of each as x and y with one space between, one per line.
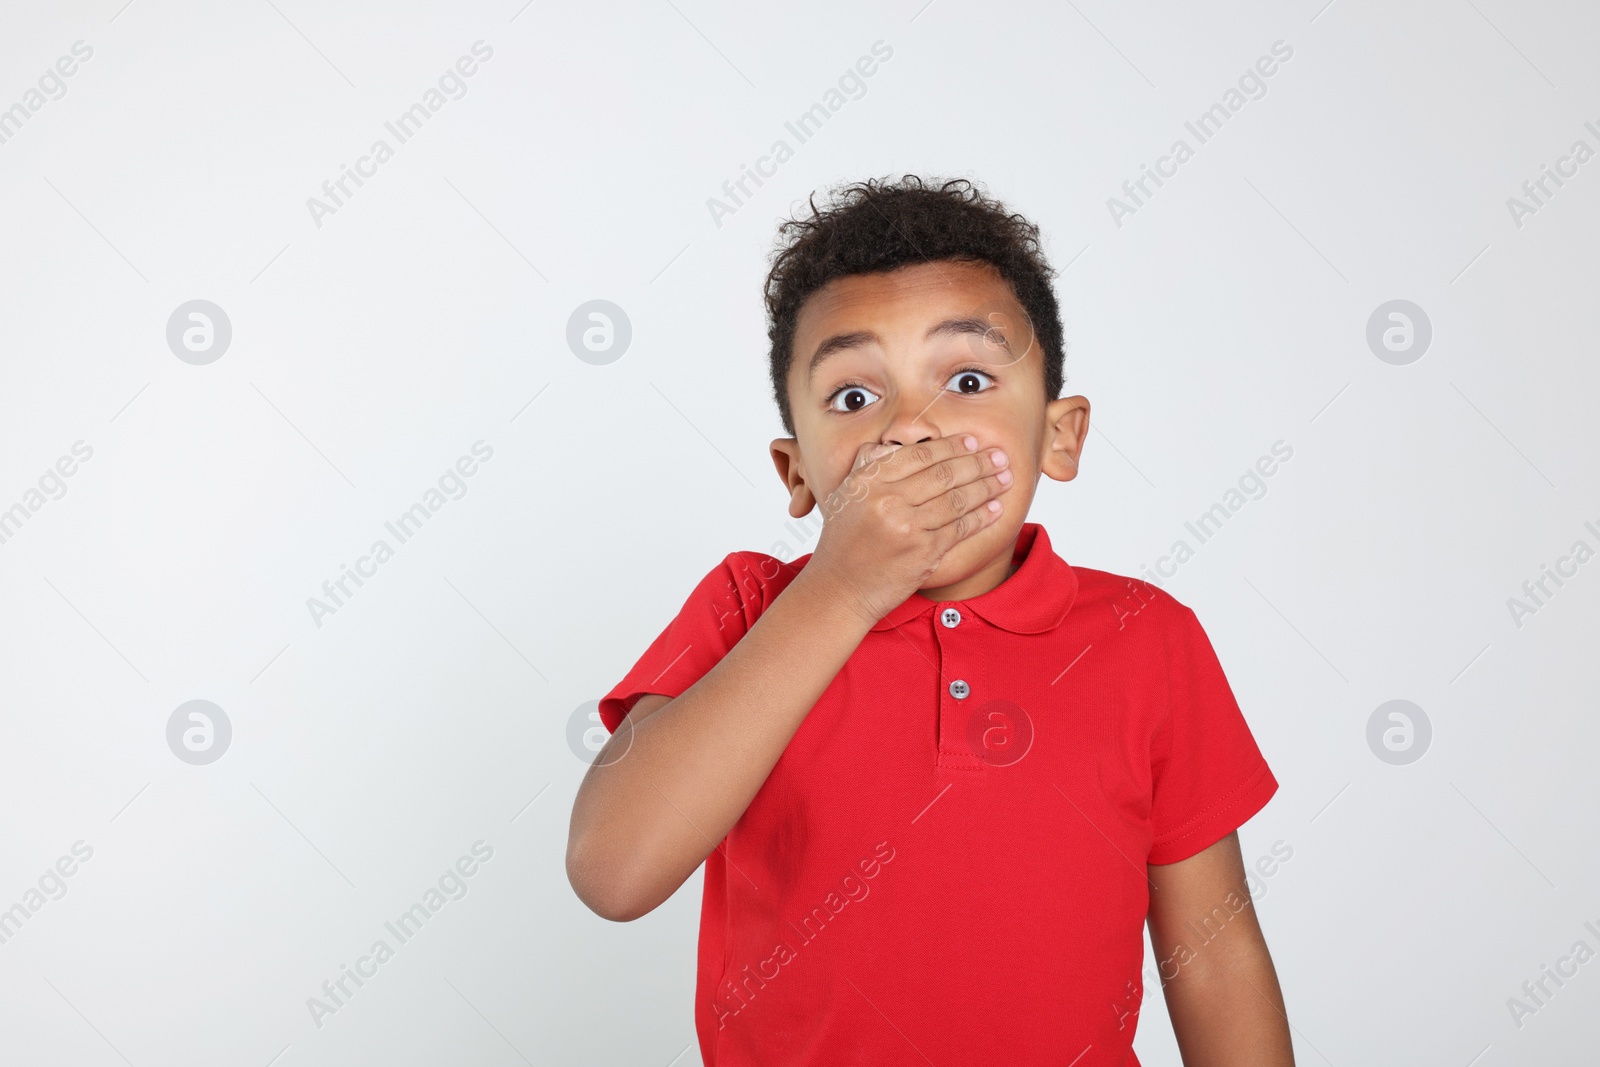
1231 1015
642 824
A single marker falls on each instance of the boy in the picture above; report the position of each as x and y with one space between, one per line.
938 777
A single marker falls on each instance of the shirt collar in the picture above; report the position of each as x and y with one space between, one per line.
1035 598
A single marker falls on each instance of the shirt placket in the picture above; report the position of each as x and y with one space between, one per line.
952 633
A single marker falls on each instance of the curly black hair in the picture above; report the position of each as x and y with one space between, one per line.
878 225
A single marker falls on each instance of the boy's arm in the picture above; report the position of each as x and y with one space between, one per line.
670 783
677 774
1226 1007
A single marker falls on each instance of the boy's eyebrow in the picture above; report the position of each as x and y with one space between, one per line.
947 328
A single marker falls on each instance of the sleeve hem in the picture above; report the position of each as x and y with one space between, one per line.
613 709
1213 825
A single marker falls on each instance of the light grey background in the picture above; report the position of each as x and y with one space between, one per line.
430 312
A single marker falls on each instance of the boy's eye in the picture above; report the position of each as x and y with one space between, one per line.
966 375
852 399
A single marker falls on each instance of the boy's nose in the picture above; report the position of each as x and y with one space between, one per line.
911 424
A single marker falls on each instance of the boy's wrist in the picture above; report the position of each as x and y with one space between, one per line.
834 599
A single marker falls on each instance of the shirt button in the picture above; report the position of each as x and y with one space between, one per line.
950 617
959 689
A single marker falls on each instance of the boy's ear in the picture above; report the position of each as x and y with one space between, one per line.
1066 426
786 457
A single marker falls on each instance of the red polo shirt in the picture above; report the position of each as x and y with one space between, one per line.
947 863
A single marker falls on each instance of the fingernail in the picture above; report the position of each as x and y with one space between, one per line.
1004 477
999 458
971 442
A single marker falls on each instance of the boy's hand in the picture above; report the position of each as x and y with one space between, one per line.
899 510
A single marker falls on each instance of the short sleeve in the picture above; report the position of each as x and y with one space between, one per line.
1207 775
718 612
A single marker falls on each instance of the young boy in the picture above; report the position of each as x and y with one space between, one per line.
939 777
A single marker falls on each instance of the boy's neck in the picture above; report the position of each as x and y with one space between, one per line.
979 582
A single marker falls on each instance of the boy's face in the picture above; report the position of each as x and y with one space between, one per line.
894 376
